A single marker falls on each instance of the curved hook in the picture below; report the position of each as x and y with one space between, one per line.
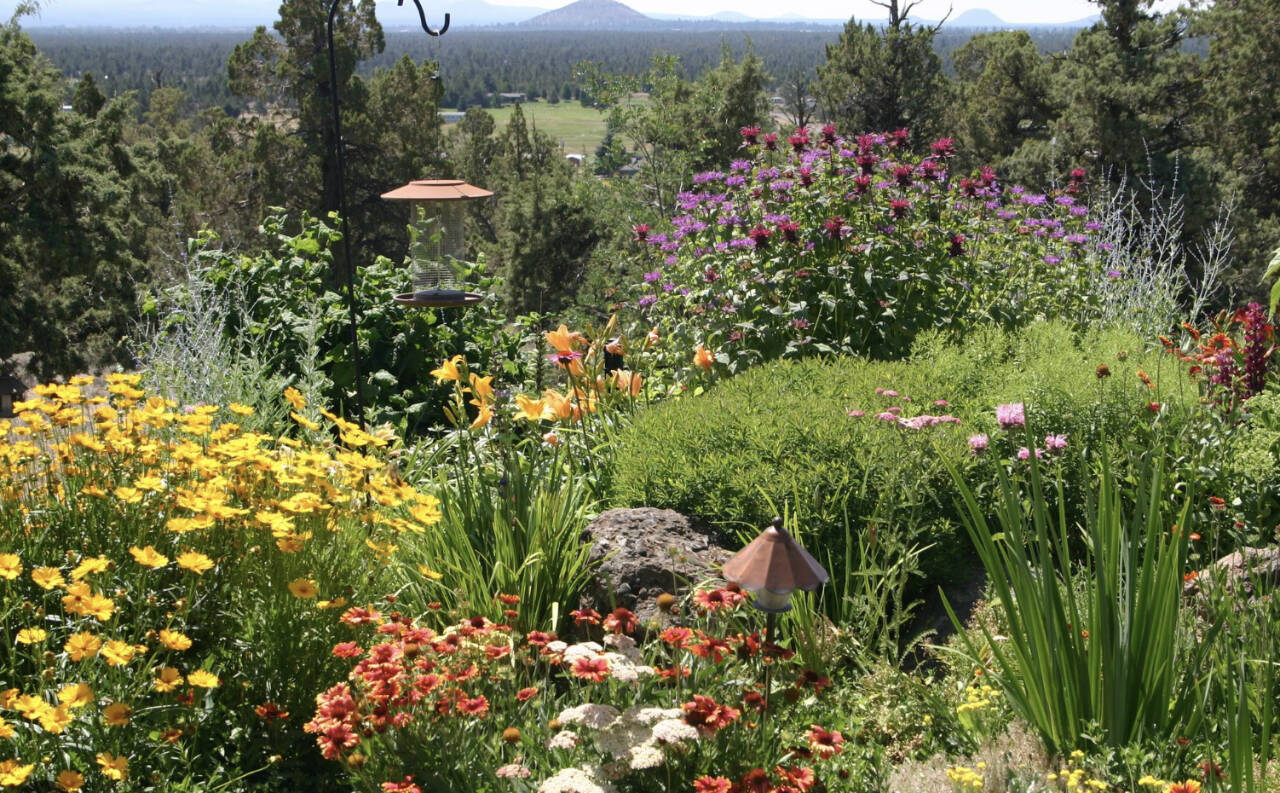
422 15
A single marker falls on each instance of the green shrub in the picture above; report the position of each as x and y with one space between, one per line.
782 434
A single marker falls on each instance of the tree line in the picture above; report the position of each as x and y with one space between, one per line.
100 198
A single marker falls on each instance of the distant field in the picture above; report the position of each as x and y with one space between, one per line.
579 129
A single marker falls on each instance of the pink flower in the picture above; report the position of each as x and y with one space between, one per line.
978 443
887 416
1055 442
1010 415
942 403
1024 453
857 414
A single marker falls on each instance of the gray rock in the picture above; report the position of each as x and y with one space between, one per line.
1241 572
644 552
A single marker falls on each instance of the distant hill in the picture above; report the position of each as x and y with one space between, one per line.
592 15
977 18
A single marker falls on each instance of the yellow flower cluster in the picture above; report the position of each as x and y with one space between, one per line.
1073 778
159 506
966 778
977 698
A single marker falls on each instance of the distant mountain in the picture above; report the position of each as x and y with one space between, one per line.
592 15
977 18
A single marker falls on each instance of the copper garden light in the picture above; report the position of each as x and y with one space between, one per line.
771 567
438 214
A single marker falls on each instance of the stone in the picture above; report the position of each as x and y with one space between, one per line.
644 552
1240 571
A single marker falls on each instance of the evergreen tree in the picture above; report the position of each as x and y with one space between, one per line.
88 99
879 80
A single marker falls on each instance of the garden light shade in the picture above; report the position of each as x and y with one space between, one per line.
772 566
438 239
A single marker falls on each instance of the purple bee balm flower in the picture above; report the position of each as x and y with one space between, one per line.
1076 239
668 286
707 176
978 443
1114 273
1079 210
1055 442
740 165
722 246
1092 225
1064 200
657 239
670 260
1005 214
646 301
735 181
1010 415
653 276
1051 259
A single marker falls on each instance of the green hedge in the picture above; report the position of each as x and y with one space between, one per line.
780 434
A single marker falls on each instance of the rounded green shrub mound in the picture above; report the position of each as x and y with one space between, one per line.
847 445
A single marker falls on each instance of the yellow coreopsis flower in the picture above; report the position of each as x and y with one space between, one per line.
82 645
116 768
6 729
196 562
240 410
449 369
100 607
70 781
295 398
175 640
48 577
117 714
304 421
10 566
148 557
302 588
31 707
202 678
75 695
55 720
31 636
118 653
129 495
167 679
14 775
97 564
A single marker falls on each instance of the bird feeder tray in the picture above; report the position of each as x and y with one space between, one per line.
439 299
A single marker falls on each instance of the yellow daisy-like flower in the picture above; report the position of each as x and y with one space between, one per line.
148 557
88 567
14 775
117 714
31 707
240 410
202 678
31 636
76 695
55 720
295 398
10 566
304 421
429 573
195 561
99 607
6 729
175 640
118 653
82 645
113 767
336 603
48 577
129 495
303 588
70 781
167 679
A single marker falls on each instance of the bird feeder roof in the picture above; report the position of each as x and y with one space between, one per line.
437 190
11 385
774 561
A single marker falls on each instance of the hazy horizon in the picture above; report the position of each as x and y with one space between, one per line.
239 13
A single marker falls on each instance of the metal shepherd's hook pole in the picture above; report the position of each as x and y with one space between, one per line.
342 211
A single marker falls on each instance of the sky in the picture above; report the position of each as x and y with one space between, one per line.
243 12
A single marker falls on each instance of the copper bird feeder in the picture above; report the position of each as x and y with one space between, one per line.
773 566
439 212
